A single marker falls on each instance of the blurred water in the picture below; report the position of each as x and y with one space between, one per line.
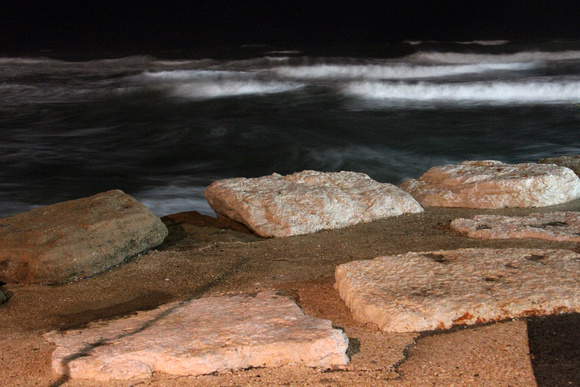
163 129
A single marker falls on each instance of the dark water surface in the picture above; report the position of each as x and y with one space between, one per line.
163 129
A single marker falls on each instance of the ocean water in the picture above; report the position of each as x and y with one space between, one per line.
163 127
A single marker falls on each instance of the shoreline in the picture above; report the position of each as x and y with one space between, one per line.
204 256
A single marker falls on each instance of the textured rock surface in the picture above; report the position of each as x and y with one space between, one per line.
435 290
492 184
200 337
555 226
307 201
75 239
572 162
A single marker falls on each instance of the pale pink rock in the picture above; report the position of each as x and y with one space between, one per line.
307 201
555 226
423 291
200 337
76 239
493 184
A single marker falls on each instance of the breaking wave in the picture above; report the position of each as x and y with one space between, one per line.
492 92
206 90
498 92
206 84
395 70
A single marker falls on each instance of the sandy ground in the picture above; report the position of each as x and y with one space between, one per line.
203 256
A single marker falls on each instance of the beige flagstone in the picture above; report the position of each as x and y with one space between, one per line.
555 226
200 337
422 291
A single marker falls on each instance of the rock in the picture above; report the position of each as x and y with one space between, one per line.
3 297
423 291
76 239
572 162
493 184
200 337
307 201
554 226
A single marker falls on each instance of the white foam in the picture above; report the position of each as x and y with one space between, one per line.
175 198
494 92
393 71
186 75
217 89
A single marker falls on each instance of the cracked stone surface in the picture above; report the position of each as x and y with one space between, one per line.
555 226
306 202
423 291
200 337
76 239
493 184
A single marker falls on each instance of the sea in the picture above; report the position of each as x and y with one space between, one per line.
163 126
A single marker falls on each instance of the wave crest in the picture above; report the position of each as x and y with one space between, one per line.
491 92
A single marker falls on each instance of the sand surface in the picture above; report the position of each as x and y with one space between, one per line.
203 257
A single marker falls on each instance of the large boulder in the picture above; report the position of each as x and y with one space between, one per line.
76 239
200 337
493 184
306 202
423 291
561 226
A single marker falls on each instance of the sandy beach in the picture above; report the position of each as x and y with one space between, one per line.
204 257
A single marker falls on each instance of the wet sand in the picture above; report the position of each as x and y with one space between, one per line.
205 257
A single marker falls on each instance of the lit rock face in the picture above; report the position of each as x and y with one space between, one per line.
572 162
76 239
435 290
493 184
307 201
200 337
555 226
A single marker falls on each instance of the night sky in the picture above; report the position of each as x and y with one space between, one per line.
141 26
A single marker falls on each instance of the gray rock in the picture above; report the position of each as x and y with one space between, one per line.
200 337
423 291
76 239
3 297
306 202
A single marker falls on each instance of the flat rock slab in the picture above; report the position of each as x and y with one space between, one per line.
572 162
493 184
200 337
554 226
76 239
424 291
306 202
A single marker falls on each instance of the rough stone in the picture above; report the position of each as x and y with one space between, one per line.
307 201
572 162
555 226
200 337
3 297
493 184
423 291
76 239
